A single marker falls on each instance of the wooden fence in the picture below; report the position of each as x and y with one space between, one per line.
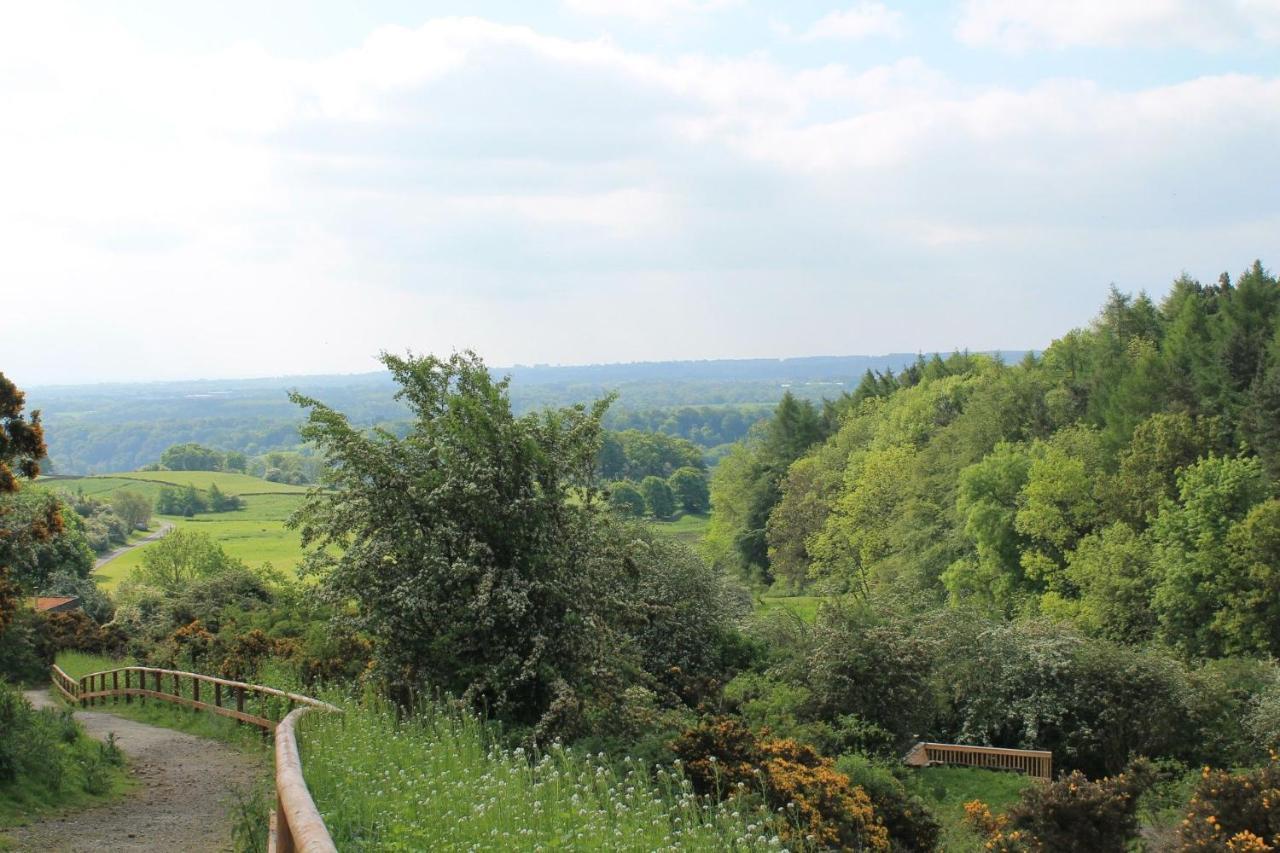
296 824
1033 762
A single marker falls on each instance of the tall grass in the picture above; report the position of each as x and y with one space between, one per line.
437 781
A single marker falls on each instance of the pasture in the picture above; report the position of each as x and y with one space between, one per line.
255 534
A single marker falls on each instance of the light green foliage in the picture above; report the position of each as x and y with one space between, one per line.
1059 503
181 557
132 506
858 533
1114 574
1249 621
659 500
1191 540
987 503
634 455
434 780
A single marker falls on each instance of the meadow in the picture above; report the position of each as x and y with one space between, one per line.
255 534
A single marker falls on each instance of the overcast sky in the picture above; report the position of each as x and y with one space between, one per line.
244 188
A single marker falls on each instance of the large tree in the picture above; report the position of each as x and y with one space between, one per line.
471 548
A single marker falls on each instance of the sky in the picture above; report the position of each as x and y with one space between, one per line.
233 189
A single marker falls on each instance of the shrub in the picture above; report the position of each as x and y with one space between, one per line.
1071 814
1240 809
723 758
26 648
910 823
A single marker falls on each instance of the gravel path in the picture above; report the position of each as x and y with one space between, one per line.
164 528
186 788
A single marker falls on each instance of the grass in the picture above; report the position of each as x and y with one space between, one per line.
688 528
804 606
56 766
947 789
166 715
255 534
436 781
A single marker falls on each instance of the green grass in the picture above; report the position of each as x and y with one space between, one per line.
255 534
435 781
804 606
947 789
58 767
170 716
689 529
150 483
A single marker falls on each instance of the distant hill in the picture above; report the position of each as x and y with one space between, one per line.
122 426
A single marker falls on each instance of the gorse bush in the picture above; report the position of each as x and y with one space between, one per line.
1070 815
723 758
1235 811
436 780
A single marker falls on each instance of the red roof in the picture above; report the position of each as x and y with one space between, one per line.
48 602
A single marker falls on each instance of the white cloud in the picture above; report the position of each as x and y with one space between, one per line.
470 183
1020 25
865 20
647 11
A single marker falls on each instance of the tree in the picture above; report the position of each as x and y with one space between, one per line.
1193 584
21 439
192 457
471 549
658 497
181 557
626 499
133 507
690 488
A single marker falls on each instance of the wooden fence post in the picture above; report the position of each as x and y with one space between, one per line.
128 697
195 691
115 686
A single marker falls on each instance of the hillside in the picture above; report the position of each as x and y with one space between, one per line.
255 534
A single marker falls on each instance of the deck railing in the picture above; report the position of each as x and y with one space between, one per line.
1033 762
296 824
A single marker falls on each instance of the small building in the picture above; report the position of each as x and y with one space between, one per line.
54 603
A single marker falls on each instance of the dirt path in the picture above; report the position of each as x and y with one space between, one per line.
165 527
183 801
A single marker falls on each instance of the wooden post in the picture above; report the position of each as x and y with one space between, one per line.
115 686
128 697
240 699
195 691
177 691
217 695
81 691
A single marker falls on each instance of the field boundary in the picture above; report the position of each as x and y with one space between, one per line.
296 824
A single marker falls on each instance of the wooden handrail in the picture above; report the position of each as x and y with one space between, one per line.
296 824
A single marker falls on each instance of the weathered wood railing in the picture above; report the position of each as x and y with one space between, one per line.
1033 762
296 824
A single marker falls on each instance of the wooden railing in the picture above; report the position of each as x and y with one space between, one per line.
296 824
1033 762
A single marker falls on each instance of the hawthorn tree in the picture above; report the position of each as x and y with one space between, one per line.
472 547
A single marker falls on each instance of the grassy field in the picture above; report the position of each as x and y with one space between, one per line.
255 534
947 789
689 529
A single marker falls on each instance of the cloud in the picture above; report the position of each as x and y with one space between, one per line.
647 11
539 198
1017 25
865 20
